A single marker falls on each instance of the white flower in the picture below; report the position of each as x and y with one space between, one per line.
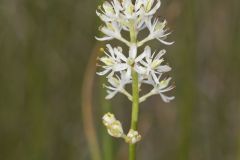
109 11
132 137
128 9
117 85
116 61
113 62
152 64
147 7
157 30
162 87
112 30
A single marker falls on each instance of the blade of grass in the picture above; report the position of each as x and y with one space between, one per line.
88 122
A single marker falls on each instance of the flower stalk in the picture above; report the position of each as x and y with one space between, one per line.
135 97
135 112
133 68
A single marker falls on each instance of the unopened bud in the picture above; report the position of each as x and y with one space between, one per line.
108 119
133 137
115 129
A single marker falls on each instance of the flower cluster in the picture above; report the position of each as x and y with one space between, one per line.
116 64
148 65
120 16
114 128
119 66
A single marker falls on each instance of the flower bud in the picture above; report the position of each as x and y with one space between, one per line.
115 129
132 137
108 119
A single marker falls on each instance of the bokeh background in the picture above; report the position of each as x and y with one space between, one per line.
51 100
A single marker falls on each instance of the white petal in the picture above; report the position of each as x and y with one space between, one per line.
164 42
120 67
166 98
107 31
164 68
154 77
144 63
111 50
167 89
140 57
111 94
140 69
110 88
120 55
128 73
155 8
103 17
104 38
160 54
103 72
138 4
117 5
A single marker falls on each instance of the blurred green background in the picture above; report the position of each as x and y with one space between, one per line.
51 101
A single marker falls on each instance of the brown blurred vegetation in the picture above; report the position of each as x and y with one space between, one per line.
45 47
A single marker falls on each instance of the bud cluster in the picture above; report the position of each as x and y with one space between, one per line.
114 128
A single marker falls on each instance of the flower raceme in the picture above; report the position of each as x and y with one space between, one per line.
117 65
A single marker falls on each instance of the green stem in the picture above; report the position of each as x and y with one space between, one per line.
135 110
135 96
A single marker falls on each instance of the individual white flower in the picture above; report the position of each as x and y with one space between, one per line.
157 30
162 87
109 11
110 62
117 84
147 6
114 61
132 137
108 119
152 64
111 30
